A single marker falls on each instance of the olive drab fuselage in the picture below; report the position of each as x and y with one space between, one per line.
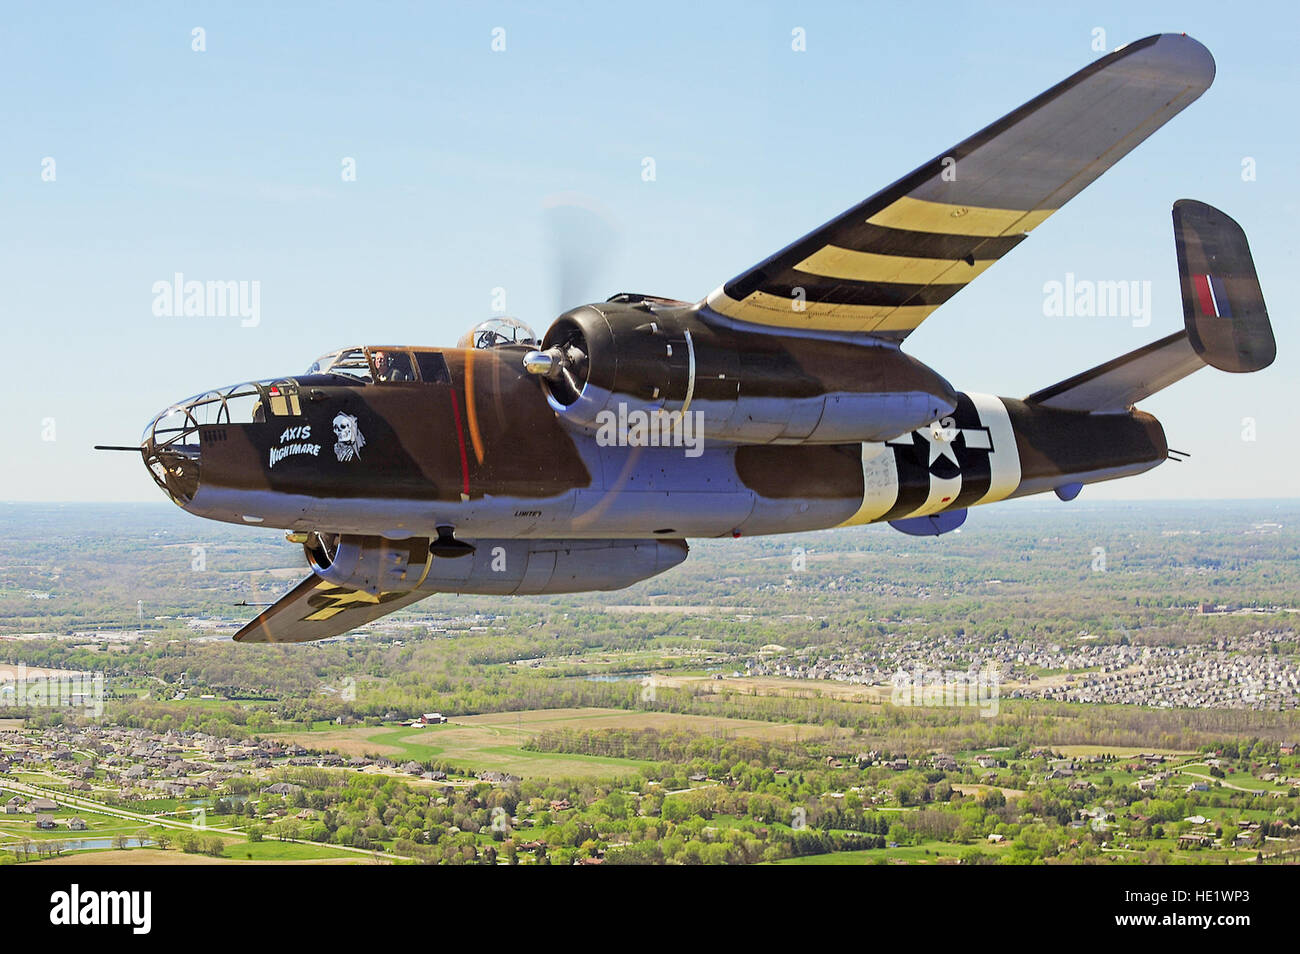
487 450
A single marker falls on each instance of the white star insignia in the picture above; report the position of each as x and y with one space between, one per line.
940 440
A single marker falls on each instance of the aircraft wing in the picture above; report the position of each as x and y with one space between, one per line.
316 609
886 264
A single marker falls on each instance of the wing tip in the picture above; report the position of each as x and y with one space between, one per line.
1178 53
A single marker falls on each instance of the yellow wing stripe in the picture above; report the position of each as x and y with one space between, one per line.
338 599
831 261
921 215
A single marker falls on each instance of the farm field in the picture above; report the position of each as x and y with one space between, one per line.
493 741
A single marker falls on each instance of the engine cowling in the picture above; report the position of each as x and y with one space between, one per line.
504 567
603 363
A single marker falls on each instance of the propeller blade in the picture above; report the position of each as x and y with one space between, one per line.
583 237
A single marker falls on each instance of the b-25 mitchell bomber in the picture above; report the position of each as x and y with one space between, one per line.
783 401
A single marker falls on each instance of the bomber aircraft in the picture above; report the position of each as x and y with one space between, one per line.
783 401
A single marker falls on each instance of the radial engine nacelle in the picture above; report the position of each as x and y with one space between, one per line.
632 355
520 567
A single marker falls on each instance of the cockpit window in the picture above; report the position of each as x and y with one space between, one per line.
349 361
391 366
433 367
249 403
384 365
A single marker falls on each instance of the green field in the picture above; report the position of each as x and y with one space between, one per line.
495 741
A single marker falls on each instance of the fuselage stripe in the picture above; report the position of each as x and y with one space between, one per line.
460 441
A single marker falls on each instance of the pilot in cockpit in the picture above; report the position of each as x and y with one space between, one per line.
386 369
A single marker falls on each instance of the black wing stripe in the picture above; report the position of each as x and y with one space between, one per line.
833 291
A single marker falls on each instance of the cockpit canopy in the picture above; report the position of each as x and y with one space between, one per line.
385 365
350 361
498 332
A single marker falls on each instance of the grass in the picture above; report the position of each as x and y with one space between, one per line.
495 741
155 856
272 850
1119 751
928 852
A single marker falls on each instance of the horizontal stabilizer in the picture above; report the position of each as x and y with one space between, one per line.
1121 382
1226 323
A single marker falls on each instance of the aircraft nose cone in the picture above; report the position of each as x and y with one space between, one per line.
170 448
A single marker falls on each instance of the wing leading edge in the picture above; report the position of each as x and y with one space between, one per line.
885 265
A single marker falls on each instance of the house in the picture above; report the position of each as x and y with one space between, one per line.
14 805
281 788
43 805
44 821
995 838
1287 748
77 824
432 718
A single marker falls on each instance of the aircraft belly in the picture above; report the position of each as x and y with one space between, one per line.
988 449
668 513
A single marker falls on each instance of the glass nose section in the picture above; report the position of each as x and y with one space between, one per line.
172 442
170 447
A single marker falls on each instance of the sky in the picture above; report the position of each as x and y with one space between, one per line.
130 156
